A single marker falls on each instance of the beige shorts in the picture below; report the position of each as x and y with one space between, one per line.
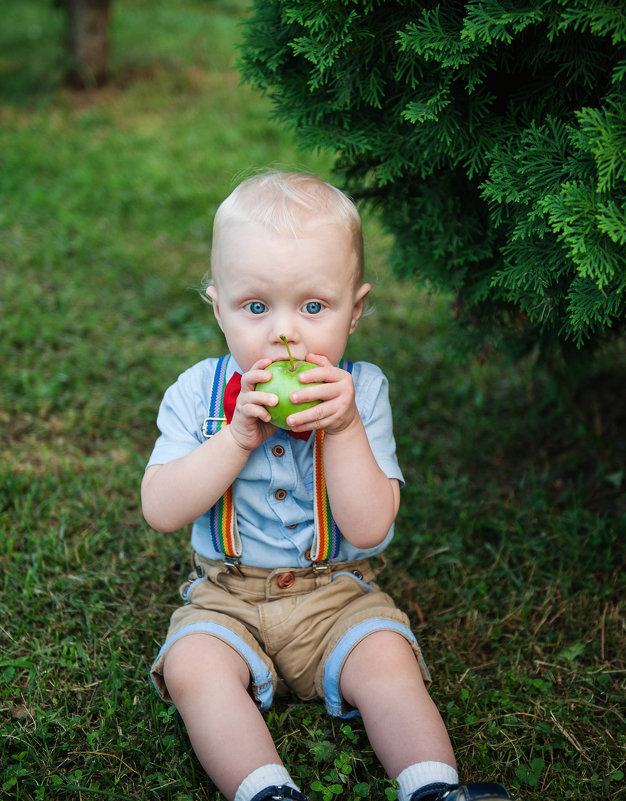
293 627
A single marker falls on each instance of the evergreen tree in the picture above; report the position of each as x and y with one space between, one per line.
491 134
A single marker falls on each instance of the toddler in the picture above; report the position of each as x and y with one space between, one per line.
285 523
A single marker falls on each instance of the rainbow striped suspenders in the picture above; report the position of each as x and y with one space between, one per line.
222 516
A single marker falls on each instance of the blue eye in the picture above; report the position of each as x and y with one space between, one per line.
313 307
256 307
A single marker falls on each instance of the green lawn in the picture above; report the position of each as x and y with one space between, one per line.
509 552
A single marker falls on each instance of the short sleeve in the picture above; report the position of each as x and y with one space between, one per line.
372 399
182 412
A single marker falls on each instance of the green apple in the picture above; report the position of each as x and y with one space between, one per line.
283 382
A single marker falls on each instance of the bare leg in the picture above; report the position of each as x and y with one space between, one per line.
208 681
381 678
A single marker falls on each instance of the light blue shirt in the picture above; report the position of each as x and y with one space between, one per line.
275 531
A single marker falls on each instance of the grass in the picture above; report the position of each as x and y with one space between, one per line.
509 553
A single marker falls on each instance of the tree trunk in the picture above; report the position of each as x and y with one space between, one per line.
88 41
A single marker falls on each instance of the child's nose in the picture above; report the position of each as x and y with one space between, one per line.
284 325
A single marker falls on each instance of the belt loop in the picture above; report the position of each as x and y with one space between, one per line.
378 569
323 573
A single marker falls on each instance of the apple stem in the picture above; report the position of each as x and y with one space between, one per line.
292 365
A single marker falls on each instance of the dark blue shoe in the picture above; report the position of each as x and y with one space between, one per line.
279 793
479 791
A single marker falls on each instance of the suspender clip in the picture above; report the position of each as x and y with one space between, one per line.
233 563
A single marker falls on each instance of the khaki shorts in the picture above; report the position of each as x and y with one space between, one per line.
293 627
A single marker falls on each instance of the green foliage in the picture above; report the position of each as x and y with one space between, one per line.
491 135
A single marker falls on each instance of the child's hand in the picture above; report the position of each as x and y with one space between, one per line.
337 409
251 425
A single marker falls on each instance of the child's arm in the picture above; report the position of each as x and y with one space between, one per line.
364 501
176 493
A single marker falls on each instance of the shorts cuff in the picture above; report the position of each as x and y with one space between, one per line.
262 680
335 704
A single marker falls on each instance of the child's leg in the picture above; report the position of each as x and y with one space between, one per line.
381 678
208 682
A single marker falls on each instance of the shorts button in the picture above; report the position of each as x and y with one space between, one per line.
357 573
280 494
285 580
278 450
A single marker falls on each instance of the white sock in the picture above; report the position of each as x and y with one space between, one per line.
259 779
421 774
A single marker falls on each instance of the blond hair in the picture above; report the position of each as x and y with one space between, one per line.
288 203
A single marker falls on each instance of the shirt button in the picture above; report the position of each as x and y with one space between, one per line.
285 580
278 450
307 555
292 526
280 495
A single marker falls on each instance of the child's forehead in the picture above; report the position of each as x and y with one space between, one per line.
245 246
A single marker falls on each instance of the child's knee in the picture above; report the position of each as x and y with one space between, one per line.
381 649
199 660
380 658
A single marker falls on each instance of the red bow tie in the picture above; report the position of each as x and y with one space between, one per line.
233 388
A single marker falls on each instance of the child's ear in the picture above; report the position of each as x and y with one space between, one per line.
359 305
211 293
